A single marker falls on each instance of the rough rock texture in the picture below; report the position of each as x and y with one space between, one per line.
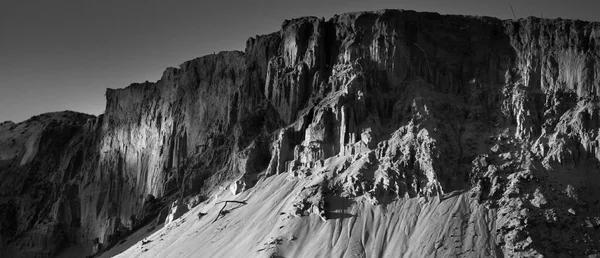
162 138
40 166
386 107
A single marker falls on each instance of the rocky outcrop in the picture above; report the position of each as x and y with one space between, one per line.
162 138
40 165
380 106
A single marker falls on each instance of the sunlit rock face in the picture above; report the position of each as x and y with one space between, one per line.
162 138
420 104
375 106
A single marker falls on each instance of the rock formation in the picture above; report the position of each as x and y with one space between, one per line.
41 161
390 107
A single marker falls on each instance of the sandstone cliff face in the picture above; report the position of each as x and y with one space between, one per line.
40 165
155 139
423 104
380 107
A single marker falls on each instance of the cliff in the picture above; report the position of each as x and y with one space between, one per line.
454 135
41 161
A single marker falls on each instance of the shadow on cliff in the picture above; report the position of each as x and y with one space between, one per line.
338 206
129 241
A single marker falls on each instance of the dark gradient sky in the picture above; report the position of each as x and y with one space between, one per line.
62 55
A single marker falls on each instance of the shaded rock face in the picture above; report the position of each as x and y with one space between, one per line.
41 161
381 105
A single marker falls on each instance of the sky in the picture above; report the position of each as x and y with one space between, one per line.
63 54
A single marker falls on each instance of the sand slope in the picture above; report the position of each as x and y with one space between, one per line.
452 227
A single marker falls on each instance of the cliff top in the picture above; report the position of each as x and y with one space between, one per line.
45 117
